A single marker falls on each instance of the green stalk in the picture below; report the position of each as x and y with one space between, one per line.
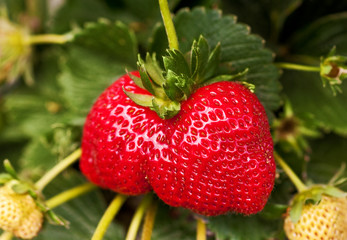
168 23
6 236
200 229
137 218
300 186
149 221
61 166
49 38
69 194
293 66
108 216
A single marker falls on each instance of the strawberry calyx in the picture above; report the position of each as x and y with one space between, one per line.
313 195
291 131
182 75
333 70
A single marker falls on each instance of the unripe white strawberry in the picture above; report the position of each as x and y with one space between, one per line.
30 225
19 214
326 220
10 210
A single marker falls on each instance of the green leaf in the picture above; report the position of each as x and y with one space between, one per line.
85 75
239 49
112 39
237 227
327 156
173 223
319 37
99 54
78 12
83 213
43 152
308 96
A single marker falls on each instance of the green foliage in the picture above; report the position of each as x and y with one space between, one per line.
236 227
40 124
83 213
173 223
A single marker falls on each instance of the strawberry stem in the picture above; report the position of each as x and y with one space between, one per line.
137 218
149 221
200 229
299 67
6 236
49 38
300 186
69 194
168 23
108 216
62 165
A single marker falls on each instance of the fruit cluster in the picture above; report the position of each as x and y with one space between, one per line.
214 156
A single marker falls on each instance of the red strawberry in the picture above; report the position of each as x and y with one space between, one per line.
218 155
113 138
214 156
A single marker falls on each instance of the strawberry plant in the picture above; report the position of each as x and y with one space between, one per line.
205 119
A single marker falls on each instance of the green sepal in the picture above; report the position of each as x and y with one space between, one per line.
180 78
236 77
52 217
140 99
21 188
136 80
295 210
333 70
200 54
55 219
213 62
312 195
146 81
5 177
165 109
176 87
9 169
154 70
176 62
336 179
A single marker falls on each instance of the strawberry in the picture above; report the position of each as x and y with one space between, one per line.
19 214
208 149
325 220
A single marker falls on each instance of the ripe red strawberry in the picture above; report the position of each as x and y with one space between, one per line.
214 156
218 155
113 138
